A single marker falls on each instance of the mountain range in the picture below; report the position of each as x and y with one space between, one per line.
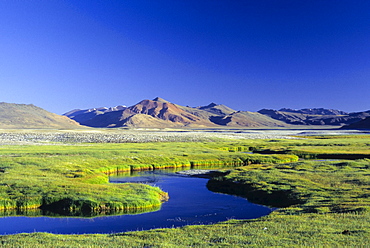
160 113
318 116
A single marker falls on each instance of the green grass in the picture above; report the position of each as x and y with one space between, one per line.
330 146
315 186
331 206
73 180
275 230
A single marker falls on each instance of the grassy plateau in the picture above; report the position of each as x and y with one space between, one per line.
322 203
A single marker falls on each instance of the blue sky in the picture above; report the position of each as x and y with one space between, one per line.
61 55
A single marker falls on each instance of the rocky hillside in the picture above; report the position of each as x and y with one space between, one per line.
315 116
29 116
161 114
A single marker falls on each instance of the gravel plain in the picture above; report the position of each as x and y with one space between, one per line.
45 136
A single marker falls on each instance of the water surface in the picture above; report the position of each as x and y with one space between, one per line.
190 203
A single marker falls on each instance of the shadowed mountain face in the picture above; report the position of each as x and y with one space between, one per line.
315 111
82 116
363 124
315 116
160 113
29 116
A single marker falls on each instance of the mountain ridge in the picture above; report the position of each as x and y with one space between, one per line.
312 116
13 115
162 113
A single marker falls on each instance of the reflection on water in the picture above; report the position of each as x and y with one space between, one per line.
190 203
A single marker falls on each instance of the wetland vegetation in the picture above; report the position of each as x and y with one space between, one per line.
73 179
323 203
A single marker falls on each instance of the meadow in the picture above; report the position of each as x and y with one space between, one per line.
72 179
321 203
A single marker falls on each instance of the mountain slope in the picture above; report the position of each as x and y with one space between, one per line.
217 109
315 111
166 111
222 115
29 116
247 119
314 116
82 116
363 124
160 113
147 113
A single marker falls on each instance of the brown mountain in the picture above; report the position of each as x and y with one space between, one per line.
217 109
222 115
148 113
165 111
160 113
247 119
29 116
363 124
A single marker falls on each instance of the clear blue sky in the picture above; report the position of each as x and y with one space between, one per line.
61 55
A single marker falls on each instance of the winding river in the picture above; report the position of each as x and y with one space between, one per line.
190 203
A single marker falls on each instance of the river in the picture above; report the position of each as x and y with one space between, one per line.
190 203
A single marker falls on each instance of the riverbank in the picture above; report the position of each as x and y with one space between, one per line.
332 211
73 179
275 230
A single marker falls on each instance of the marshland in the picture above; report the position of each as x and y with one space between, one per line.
318 180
